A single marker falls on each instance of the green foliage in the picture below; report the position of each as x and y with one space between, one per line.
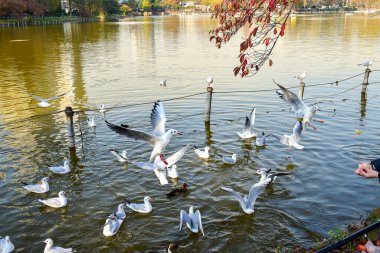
125 9
338 233
146 5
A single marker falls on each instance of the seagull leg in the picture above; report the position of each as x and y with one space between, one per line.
312 126
319 120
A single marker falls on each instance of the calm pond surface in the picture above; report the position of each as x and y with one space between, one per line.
122 64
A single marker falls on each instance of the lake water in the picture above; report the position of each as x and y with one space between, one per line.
121 64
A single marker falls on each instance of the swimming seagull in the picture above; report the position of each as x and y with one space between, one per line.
209 81
91 122
298 106
249 122
120 157
366 64
159 139
141 208
45 102
6 246
163 83
61 169
292 140
193 220
102 108
120 212
160 164
112 225
50 248
261 140
302 76
266 173
229 160
61 201
247 203
202 153
38 188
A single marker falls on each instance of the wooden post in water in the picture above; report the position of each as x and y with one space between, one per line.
70 126
365 83
208 104
302 88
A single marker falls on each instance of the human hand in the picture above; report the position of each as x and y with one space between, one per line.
365 170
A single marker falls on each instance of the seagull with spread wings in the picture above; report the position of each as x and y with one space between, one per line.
292 141
249 122
45 102
159 138
160 164
298 106
193 220
247 202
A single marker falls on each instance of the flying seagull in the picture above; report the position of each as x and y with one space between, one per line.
247 202
159 138
261 140
45 102
298 106
160 164
120 157
247 129
266 173
292 140
193 220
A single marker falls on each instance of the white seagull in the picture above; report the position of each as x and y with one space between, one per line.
38 188
301 110
163 83
261 140
141 208
61 169
91 122
247 203
292 140
112 225
204 154
302 76
120 212
366 64
120 157
159 139
209 81
6 246
102 108
192 220
50 248
247 129
266 173
229 160
45 102
172 171
61 201
160 164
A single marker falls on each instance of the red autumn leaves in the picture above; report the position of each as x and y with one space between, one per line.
268 17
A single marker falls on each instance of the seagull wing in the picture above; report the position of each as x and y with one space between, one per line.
252 116
117 155
34 188
183 218
284 139
256 190
53 202
51 98
147 166
161 176
247 126
37 97
197 220
136 135
174 158
158 119
297 104
235 194
297 129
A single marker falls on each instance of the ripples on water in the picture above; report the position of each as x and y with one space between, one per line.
123 63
